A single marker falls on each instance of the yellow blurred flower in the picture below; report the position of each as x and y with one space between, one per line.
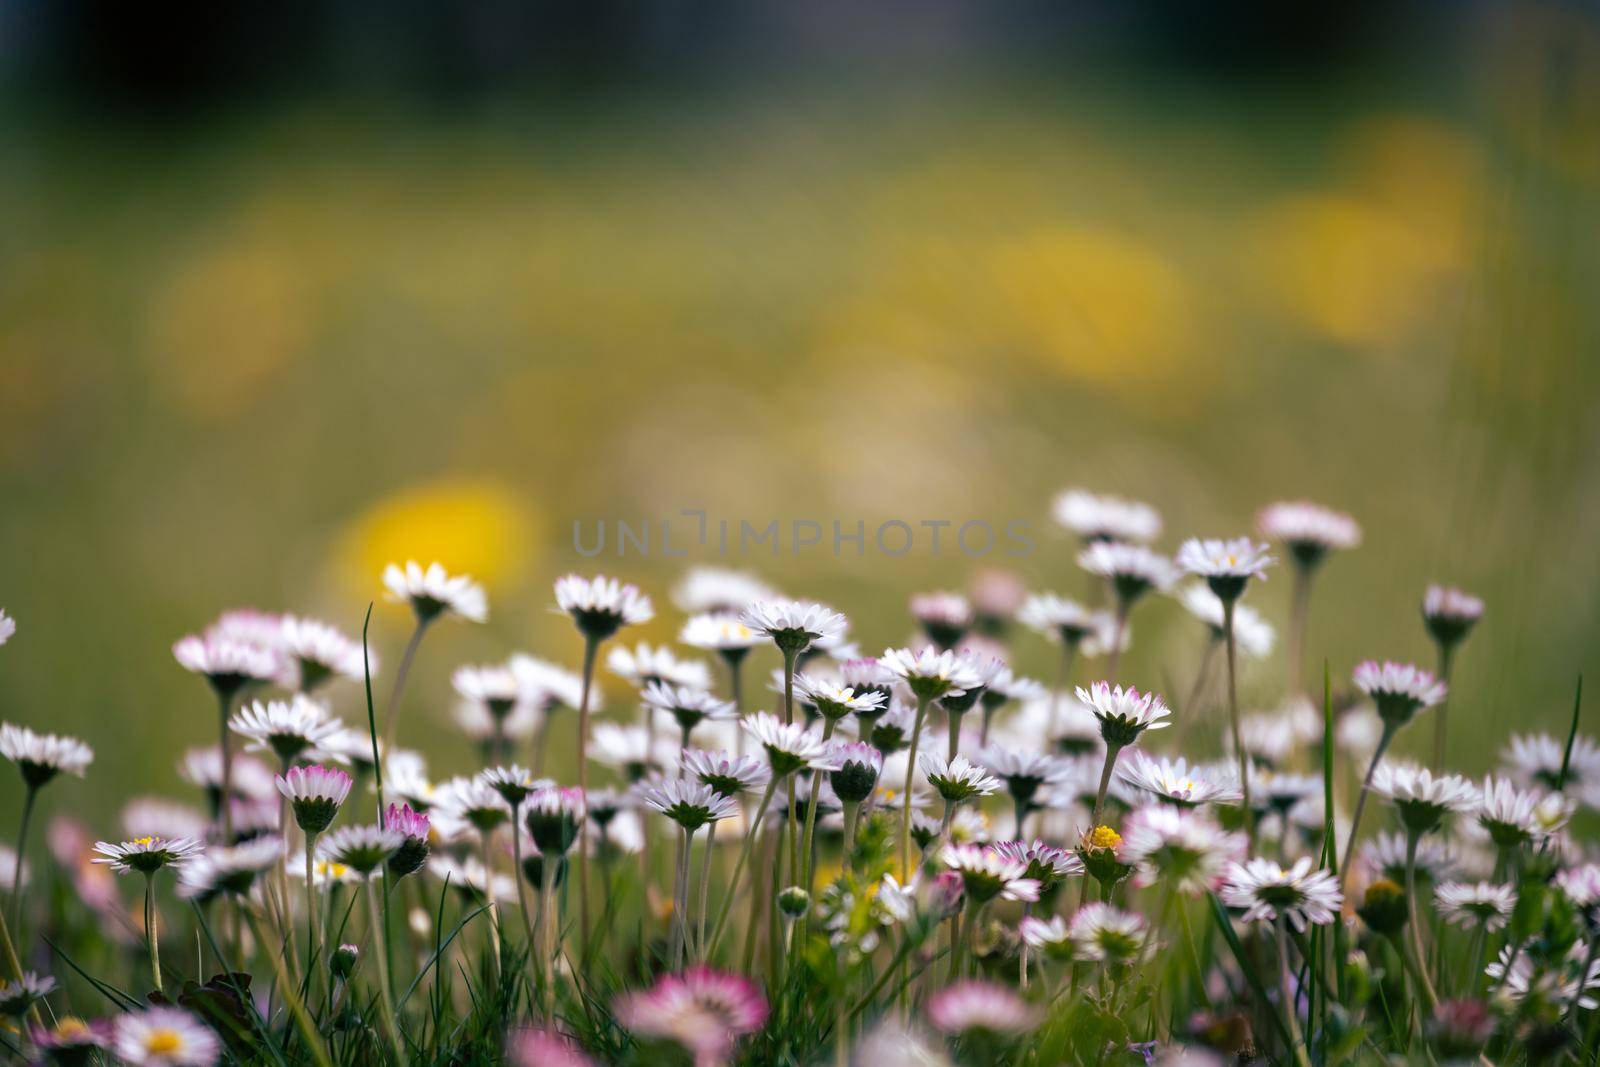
472 527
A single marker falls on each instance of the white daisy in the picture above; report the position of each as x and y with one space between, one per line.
1045 863
724 634
1049 936
461 803
987 873
944 617
1132 570
1175 782
727 774
689 706
834 701
1106 518
719 590
202 767
1514 817
1450 614
1309 531
1422 798
1057 618
433 591
8 626
1538 759
1226 565
688 802
631 750
1024 772
794 625
1385 855
1252 634
146 855
1482 904
601 606
40 757
1124 713
230 870
19 994
646 665
1399 690
548 686
1178 848
496 689
163 1035
967 1006
229 665
1268 892
513 783
363 849
316 653
291 730
789 748
315 795
1103 933
932 674
405 776
163 818
956 780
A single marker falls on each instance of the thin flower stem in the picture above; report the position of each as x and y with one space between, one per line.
1022 952
791 830
547 933
1112 751
224 706
591 646
313 918
811 814
297 1009
705 890
911 771
1286 996
391 717
22 846
522 889
1361 801
955 734
680 899
852 815
391 1025
495 938
1233 717
1440 713
151 937
1426 981
739 865
1299 616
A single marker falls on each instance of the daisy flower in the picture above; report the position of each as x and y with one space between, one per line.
1060 619
984 669
891 733
1175 782
163 1035
461 803
688 706
513 783
228 664
40 757
1385 855
413 827
1043 862
996 596
794 625
631 750
145 855
547 686
1252 634
71 1040
646 665
8 627
932 674
956 780
1179 848
1422 798
789 748
717 590
293 730
433 592
314 795
553 817
1105 934
528 1046
1105 518
1132 570
834 701
405 775
361 848
496 689
1050 936
944 617
1023 772
1484 905
1564 983
1124 713
1514 817
230 870
690 804
1268 892
704 1010
18 995
1537 759
858 769
1450 614
729 775
317 652
1308 531
1226 566
968 1006
987 873
1399 690
723 634
601 606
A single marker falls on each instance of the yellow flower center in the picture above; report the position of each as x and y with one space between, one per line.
162 1042
1104 837
71 1026
145 841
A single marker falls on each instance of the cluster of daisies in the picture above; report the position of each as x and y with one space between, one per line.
783 850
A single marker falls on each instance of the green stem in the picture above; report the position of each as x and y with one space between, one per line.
313 919
224 706
591 647
1440 729
852 814
391 717
308 1031
1112 752
522 889
705 890
495 938
22 847
1412 838
547 932
1233 718
1361 801
391 1025
739 865
1286 996
151 937
811 812
680 900
911 771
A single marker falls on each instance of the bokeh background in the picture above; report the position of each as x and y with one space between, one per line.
288 292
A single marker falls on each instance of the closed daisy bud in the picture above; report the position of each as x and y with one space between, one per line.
858 769
314 794
794 901
1384 908
1399 690
342 963
552 817
413 851
1450 614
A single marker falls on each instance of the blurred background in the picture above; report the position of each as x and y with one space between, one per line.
291 291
